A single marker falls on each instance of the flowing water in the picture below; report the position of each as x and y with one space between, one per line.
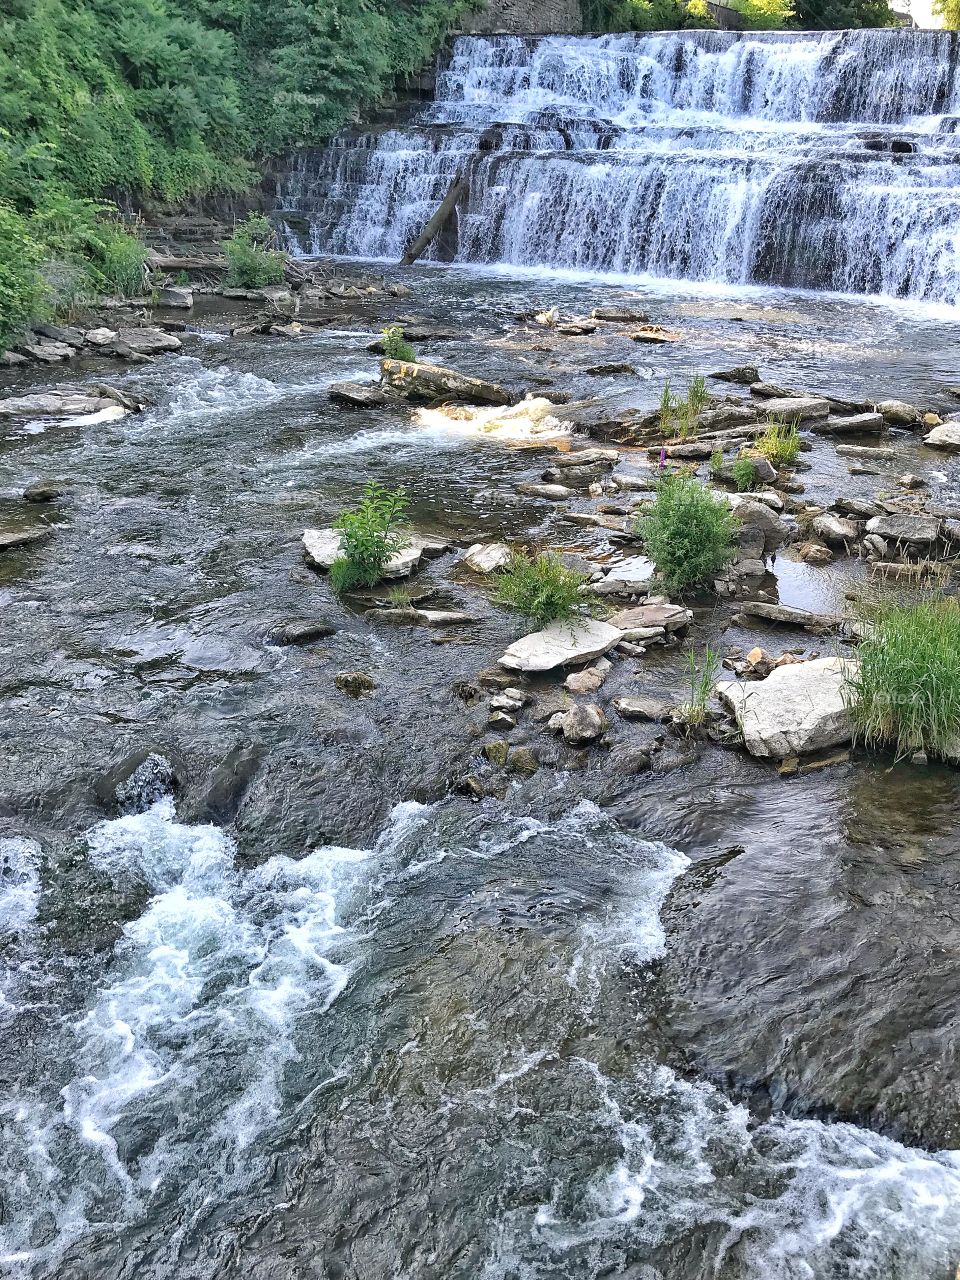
285 1006
827 161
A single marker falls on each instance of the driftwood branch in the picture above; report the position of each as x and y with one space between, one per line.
439 220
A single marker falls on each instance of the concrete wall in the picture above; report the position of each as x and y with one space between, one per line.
526 17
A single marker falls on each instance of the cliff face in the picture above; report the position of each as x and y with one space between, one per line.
526 17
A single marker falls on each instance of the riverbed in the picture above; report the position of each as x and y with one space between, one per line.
295 1006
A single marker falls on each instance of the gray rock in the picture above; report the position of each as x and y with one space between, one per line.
798 708
744 374
145 342
587 458
561 644
590 679
175 296
60 333
322 547
855 424
835 530
302 632
789 615
46 352
53 404
360 395
583 723
487 557
552 492
644 620
946 437
620 315
643 707
428 382
920 530
797 408
44 491
631 577
101 337
865 451
759 516
21 538
898 412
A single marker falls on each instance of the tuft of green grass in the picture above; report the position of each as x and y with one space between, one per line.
368 537
780 443
716 461
395 346
400 597
744 474
687 532
697 395
906 693
540 587
702 681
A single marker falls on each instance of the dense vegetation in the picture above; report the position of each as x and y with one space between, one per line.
759 15
688 533
540 588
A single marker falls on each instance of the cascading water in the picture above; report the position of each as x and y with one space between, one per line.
826 161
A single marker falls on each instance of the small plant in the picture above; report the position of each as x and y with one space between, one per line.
906 692
540 588
697 396
716 462
368 537
668 409
702 681
400 597
744 474
395 346
181 279
687 532
780 443
253 260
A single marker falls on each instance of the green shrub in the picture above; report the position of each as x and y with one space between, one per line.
780 443
687 532
23 295
744 474
540 588
368 537
395 346
716 461
253 261
906 693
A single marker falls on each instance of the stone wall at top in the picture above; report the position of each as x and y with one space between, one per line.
525 17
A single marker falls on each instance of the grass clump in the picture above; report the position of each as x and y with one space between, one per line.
906 693
395 345
780 443
539 587
687 532
253 260
368 537
703 678
677 414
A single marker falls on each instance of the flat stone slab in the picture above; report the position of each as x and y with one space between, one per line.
322 546
434 382
643 707
798 708
360 395
638 623
632 577
855 424
147 341
21 538
906 528
54 404
790 616
797 408
552 492
946 437
561 644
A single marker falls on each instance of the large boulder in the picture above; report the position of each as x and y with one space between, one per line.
798 708
428 382
946 437
757 515
899 412
918 529
561 644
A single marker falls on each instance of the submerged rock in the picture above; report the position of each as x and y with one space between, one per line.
561 644
302 632
798 708
631 577
354 683
744 374
21 538
434 382
360 395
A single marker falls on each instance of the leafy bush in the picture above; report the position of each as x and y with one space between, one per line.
253 261
906 693
368 537
687 532
540 588
780 443
395 346
744 474
22 290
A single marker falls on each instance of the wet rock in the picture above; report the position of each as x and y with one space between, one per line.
54 404
814 553
655 333
138 781
561 644
855 424
44 491
607 458
302 632
609 370
590 679
145 342
744 374
797 408
523 760
789 615
552 492
502 720
643 707
178 296
229 784
795 710
430 382
444 617
322 547
759 516
919 529
642 621
875 546
583 723
487 557
898 412
835 530
496 752
21 538
631 577
726 416
46 352
354 683
360 395
415 333
771 391
946 437
909 481
620 315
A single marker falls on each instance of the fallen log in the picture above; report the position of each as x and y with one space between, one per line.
439 220
167 262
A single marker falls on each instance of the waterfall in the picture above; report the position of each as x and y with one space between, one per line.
825 161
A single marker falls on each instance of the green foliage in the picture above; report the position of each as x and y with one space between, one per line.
949 10
22 292
697 395
253 261
645 15
716 461
540 588
702 681
906 693
744 474
687 532
838 15
765 15
368 537
668 409
395 346
780 443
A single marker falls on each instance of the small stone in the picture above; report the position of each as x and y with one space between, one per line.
43 491
589 680
354 683
583 723
501 720
487 557
523 760
835 530
497 751
552 492
910 481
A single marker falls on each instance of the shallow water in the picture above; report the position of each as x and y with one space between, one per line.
311 1015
